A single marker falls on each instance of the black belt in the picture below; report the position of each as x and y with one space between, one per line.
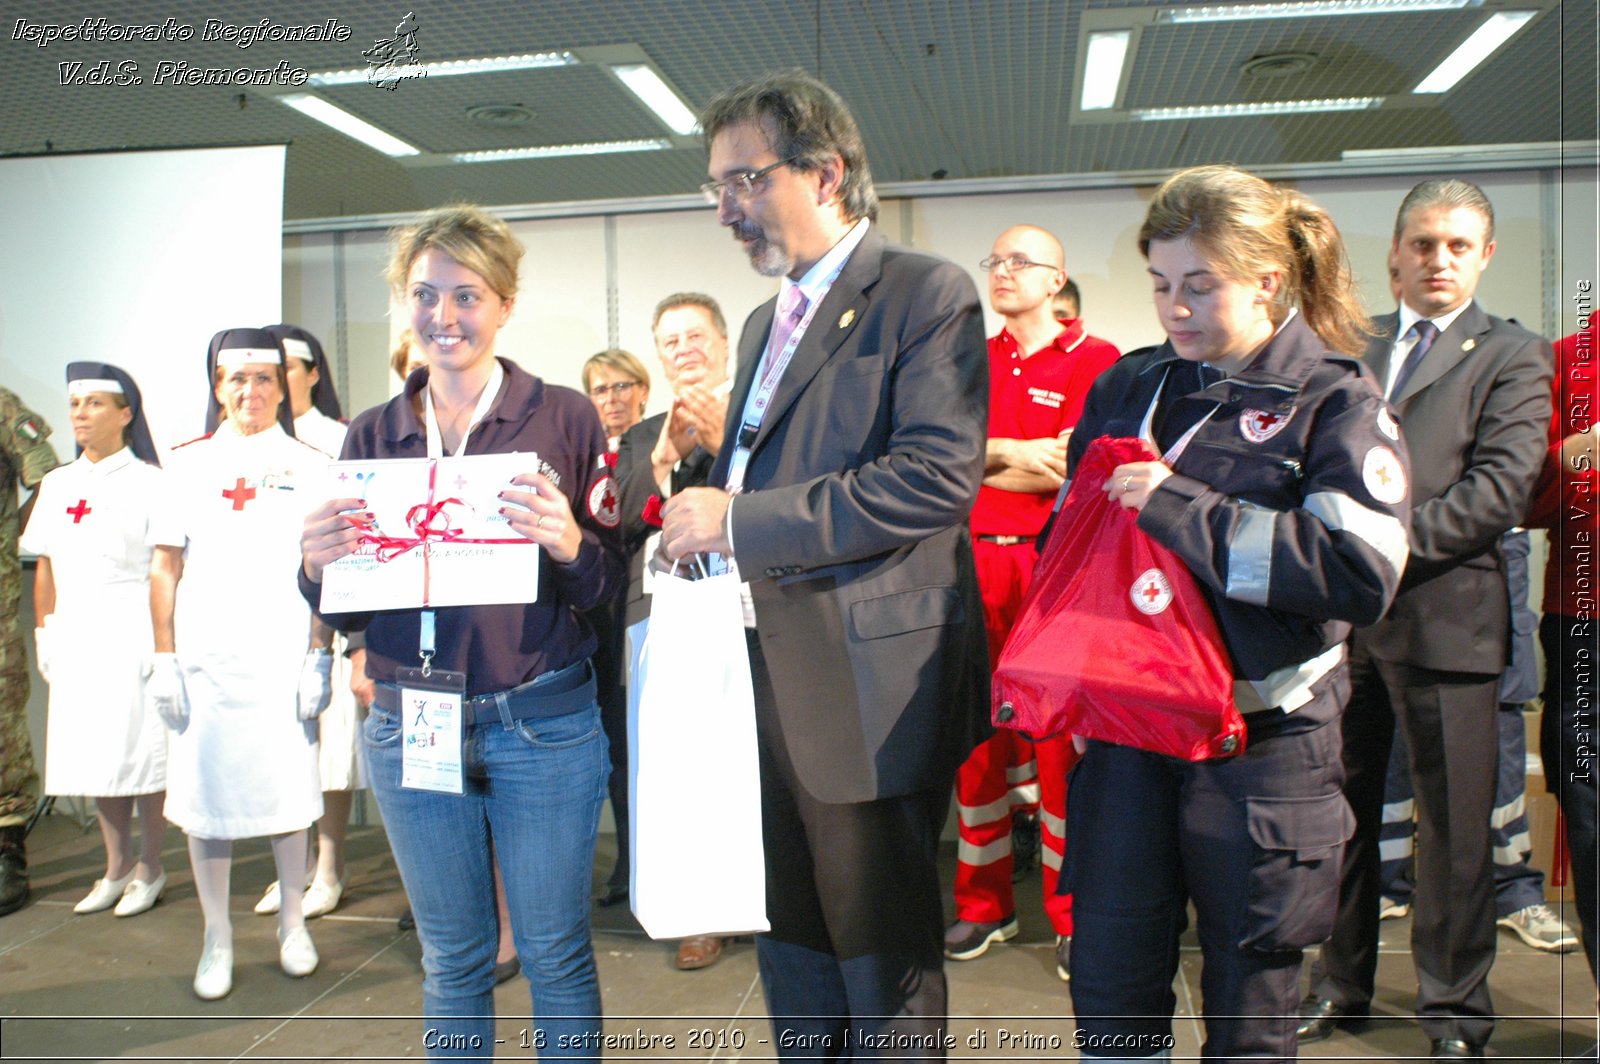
553 694
1006 541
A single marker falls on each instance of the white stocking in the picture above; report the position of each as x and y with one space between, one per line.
289 855
212 862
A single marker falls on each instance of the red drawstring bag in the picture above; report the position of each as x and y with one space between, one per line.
1115 639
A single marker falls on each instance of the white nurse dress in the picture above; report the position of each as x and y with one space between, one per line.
244 765
91 519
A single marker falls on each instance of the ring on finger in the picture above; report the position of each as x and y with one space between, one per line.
1126 482
539 524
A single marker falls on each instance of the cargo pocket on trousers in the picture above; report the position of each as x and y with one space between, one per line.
1294 874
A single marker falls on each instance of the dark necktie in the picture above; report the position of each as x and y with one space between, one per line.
1427 332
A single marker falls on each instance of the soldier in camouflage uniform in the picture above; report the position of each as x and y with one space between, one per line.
26 456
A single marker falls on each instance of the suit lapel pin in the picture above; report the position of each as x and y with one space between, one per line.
846 318
1468 344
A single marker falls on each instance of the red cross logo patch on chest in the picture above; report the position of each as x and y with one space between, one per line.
238 494
604 504
1259 426
79 511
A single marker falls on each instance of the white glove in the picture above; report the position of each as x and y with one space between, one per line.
316 684
163 691
41 649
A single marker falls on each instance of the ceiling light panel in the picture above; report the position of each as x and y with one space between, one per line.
559 151
1305 9
454 67
1484 42
1265 107
658 96
1104 59
348 124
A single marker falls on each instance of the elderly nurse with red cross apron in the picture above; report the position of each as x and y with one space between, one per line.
231 642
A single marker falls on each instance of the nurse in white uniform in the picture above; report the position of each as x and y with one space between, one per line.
91 597
231 634
315 406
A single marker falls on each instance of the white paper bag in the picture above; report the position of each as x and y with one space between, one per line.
694 775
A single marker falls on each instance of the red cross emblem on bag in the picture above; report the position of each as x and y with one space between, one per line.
1151 593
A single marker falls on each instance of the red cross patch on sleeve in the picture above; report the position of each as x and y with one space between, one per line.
1383 476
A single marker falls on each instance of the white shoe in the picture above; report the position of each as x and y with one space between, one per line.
214 978
1393 908
141 896
270 901
103 895
321 898
297 956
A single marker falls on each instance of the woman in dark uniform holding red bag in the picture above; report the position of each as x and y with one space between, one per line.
1282 487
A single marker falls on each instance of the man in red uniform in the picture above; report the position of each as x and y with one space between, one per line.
1040 369
1564 503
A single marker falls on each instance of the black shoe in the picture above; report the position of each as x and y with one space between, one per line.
13 869
1456 1049
1024 844
407 922
965 940
613 894
1319 1017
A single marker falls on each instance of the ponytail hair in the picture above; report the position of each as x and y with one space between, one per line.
1249 228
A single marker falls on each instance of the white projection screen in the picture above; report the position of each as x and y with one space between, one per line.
135 258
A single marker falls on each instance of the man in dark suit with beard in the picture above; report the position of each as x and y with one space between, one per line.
1472 393
853 454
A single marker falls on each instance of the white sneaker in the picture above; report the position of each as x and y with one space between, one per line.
270 901
297 955
103 895
214 978
141 896
1540 928
321 898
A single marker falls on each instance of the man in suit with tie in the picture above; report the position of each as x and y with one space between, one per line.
1473 394
657 458
854 451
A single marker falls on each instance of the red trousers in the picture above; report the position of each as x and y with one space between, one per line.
1008 772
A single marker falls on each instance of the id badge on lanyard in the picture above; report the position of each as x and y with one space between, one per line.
432 722
433 701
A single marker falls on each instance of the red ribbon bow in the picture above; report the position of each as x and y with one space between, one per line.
424 520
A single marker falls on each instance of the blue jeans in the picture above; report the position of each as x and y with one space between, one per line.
535 786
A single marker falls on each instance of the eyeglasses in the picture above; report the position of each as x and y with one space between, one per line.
1012 263
743 186
620 389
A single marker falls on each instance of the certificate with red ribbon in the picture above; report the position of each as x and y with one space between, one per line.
436 538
